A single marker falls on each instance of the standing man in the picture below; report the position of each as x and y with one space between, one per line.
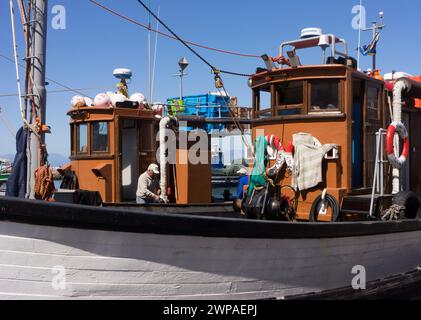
148 186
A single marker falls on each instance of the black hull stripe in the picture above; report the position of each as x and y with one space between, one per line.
141 221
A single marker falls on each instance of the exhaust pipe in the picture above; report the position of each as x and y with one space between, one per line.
403 87
163 127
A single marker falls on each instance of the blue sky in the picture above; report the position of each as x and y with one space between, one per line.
95 42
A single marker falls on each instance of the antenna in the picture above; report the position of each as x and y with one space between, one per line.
359 36
155 55
149 57
375 27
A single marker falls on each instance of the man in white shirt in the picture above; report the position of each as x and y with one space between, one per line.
148 186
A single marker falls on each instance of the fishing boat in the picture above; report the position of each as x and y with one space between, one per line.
5 170
331 210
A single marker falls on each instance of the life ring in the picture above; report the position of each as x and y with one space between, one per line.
399 128
276 149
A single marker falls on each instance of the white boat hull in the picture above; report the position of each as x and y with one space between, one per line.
45 262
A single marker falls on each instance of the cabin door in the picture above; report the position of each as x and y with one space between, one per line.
148 145
415 152
129 159
372 124
357 133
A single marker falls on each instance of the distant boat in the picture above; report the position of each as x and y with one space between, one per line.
5 170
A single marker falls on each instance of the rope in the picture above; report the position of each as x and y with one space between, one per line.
44 183
169 36
393 213
16 57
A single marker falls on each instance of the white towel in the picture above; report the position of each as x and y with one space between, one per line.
308 160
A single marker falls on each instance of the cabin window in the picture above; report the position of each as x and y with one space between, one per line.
372 103
324 96
289 98
265 110
100 137
72 139
82 138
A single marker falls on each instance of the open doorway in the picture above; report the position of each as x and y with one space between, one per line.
129 159
357 133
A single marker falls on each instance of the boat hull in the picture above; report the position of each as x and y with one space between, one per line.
45 259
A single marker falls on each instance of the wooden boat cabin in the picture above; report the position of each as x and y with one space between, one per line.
338 105
113 141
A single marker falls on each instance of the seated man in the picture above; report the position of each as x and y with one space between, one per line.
148 186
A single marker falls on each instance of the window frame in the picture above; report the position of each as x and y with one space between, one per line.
378 88
91 130
77 131
300 106
339 109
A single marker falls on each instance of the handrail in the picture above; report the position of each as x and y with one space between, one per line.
309 43
378 183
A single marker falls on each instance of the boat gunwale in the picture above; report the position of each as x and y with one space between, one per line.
120 220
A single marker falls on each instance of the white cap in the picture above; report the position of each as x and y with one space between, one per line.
154 168
242 171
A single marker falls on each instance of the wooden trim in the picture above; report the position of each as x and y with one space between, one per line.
78 152
302 118
273 98
92 157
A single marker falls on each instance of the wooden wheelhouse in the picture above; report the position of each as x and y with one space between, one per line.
110 147
337 105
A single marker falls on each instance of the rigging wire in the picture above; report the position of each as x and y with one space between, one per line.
214 69
16 57
120 15
7 123
69 89
187 45
155 55
5 95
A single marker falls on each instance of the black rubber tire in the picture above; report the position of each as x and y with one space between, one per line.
314 212
410 201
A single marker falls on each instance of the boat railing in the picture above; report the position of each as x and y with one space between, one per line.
378 180
211 111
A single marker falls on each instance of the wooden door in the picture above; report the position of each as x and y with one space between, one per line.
415 152
147 145
372 124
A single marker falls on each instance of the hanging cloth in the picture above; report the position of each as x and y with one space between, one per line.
258 176
16 184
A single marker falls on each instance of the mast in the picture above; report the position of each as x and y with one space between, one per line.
37 56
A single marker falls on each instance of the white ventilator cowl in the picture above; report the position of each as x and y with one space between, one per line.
117 97
157 107
102 100
138 97
77 100
88 102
